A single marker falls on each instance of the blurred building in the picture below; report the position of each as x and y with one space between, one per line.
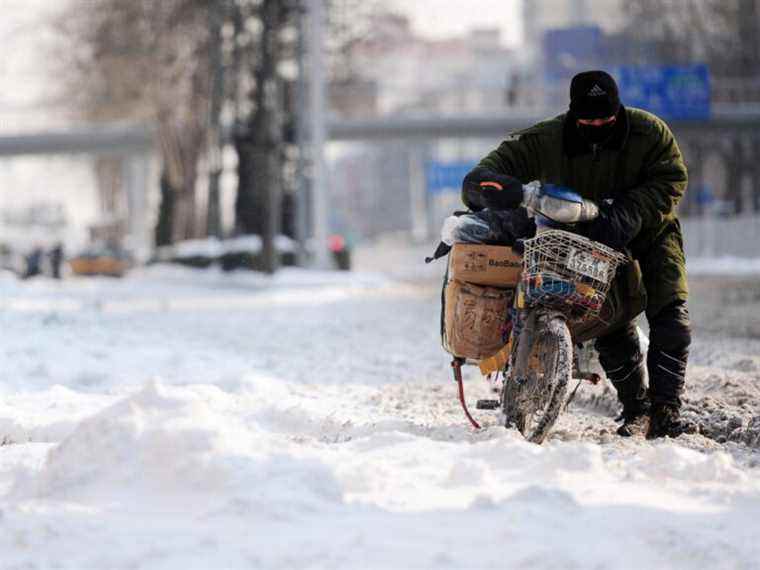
369 187
563 37
413 74
398 72
376 186
542 15
353 98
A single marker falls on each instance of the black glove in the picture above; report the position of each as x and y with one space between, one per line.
616 226
507 226
484 188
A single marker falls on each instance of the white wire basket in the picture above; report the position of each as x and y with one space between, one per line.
569 272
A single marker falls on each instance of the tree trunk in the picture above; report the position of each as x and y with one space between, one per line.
185 212
258 196
257 206
181 147
164 225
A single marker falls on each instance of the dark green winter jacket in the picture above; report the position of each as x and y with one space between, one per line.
641 168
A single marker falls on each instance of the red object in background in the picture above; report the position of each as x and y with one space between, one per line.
336 243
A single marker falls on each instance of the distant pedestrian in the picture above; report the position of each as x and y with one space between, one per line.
56 259
33 263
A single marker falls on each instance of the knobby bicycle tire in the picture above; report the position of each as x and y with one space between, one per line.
533 407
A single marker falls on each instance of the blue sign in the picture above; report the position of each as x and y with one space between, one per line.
704 194
446 176
670 92
570 50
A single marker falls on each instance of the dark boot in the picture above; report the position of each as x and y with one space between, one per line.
666 421
635 422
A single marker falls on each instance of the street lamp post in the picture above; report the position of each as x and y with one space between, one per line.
317 130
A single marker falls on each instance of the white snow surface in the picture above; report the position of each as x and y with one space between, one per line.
182 419
724 265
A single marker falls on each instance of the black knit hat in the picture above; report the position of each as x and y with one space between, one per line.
594 95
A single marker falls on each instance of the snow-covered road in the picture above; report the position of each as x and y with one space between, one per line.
191 420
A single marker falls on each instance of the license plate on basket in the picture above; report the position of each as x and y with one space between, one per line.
586 264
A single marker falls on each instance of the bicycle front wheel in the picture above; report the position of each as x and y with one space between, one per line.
534 405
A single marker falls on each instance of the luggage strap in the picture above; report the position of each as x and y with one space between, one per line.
456 365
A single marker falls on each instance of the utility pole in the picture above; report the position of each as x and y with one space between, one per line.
214 143
302 184
317 130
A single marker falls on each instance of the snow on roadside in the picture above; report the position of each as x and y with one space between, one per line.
280 427
724 265
45 416
171 288
167 281
285 277
271 475
173 446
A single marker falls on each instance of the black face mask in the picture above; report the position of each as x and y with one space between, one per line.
597 135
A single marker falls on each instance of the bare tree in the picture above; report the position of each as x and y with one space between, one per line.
144 60
184 65
259 129
723 33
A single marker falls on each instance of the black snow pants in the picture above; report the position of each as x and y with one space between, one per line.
669 341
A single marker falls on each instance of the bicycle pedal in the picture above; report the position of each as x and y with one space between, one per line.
487 404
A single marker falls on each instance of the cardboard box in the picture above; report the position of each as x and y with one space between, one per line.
494 265
475 319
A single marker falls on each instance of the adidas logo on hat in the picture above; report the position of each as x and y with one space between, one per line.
596 91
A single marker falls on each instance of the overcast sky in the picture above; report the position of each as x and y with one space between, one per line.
27 72
440 18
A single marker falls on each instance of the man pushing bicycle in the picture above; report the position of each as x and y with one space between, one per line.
628 162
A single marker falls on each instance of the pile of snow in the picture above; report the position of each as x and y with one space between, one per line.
214 248
284 277
210 247
173 287
46 415
278 475
175 447
723 266
174 419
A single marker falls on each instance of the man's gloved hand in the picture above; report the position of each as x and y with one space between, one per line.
558 203
615 226
484 188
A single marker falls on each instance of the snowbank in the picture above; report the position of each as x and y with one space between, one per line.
270 475
726 266
168 421
178 448
171 287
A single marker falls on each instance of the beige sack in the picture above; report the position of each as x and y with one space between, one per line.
475 319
